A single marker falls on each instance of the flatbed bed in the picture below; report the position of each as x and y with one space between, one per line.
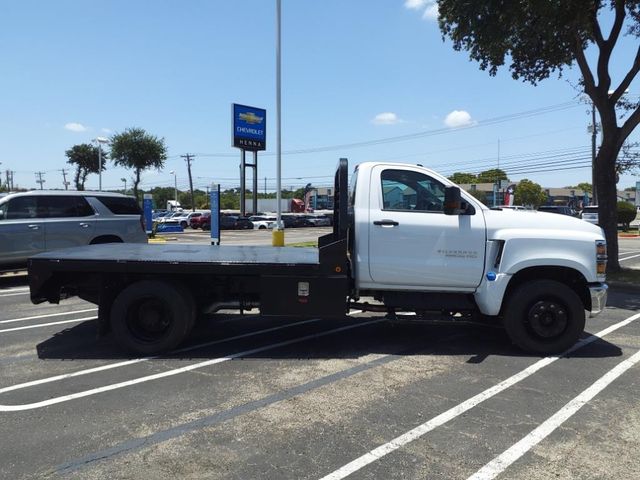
150 295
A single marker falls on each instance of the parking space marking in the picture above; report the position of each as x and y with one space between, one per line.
177 371
421 430
14 289
629 258
2 295
41 325
499 464
111 366
36 317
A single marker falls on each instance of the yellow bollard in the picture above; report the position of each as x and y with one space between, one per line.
277 238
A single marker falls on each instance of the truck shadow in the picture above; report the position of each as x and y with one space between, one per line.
623 300
240 337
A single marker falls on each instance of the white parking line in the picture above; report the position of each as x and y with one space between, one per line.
629 258
40 325
499 464
87 371
14 289
2 295
420 430
35 317
168 373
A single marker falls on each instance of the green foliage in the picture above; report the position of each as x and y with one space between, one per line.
463 177
478 195
529 193
230 200
86 159
626 214
540 37
584 186
137 150
490 176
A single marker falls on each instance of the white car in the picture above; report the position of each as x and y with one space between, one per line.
262 222
590 214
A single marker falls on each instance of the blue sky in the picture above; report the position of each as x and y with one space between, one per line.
352 72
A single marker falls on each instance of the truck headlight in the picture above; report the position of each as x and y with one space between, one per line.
601 258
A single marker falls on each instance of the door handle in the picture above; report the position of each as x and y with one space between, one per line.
386 223
84 225
33 227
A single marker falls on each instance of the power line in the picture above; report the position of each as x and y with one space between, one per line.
426 133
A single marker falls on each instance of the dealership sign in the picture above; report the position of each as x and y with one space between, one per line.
249 127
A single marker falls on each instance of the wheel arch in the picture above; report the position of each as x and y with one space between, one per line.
570 277
106 239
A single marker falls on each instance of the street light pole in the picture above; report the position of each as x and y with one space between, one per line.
175 186
125 185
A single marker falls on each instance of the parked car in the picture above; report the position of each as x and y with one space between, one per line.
561 209
590 214
293 221
228 222
184 218
197 221
509 207
317 221
41 220
262 222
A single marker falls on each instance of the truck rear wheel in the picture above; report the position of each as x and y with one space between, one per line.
151 316
544 317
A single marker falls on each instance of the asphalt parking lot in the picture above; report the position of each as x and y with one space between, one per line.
249 397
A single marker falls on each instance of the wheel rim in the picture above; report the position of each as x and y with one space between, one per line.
149 320
547 318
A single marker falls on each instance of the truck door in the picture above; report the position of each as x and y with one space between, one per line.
412 242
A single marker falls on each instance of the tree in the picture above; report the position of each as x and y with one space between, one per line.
478 195
490 176
86 159
137 150
626 214
543 37
463 178
584 186
529 193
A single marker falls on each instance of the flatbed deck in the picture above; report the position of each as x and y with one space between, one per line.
185 254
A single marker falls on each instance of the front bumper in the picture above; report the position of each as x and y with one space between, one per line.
598 293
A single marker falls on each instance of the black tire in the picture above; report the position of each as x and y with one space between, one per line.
544 317
150 316
184 225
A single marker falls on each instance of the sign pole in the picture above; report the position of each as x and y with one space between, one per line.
243 173
215 214
147 206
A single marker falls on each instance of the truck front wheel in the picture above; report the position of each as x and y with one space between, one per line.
150 316
544 317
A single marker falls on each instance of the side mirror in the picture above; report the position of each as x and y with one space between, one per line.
452 201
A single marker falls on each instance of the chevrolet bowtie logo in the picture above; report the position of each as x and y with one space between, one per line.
250 118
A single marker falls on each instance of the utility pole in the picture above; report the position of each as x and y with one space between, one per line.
187 158
40 180
64 178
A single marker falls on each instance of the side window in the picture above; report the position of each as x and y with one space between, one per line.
411 191
120 205
59 206
21 207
